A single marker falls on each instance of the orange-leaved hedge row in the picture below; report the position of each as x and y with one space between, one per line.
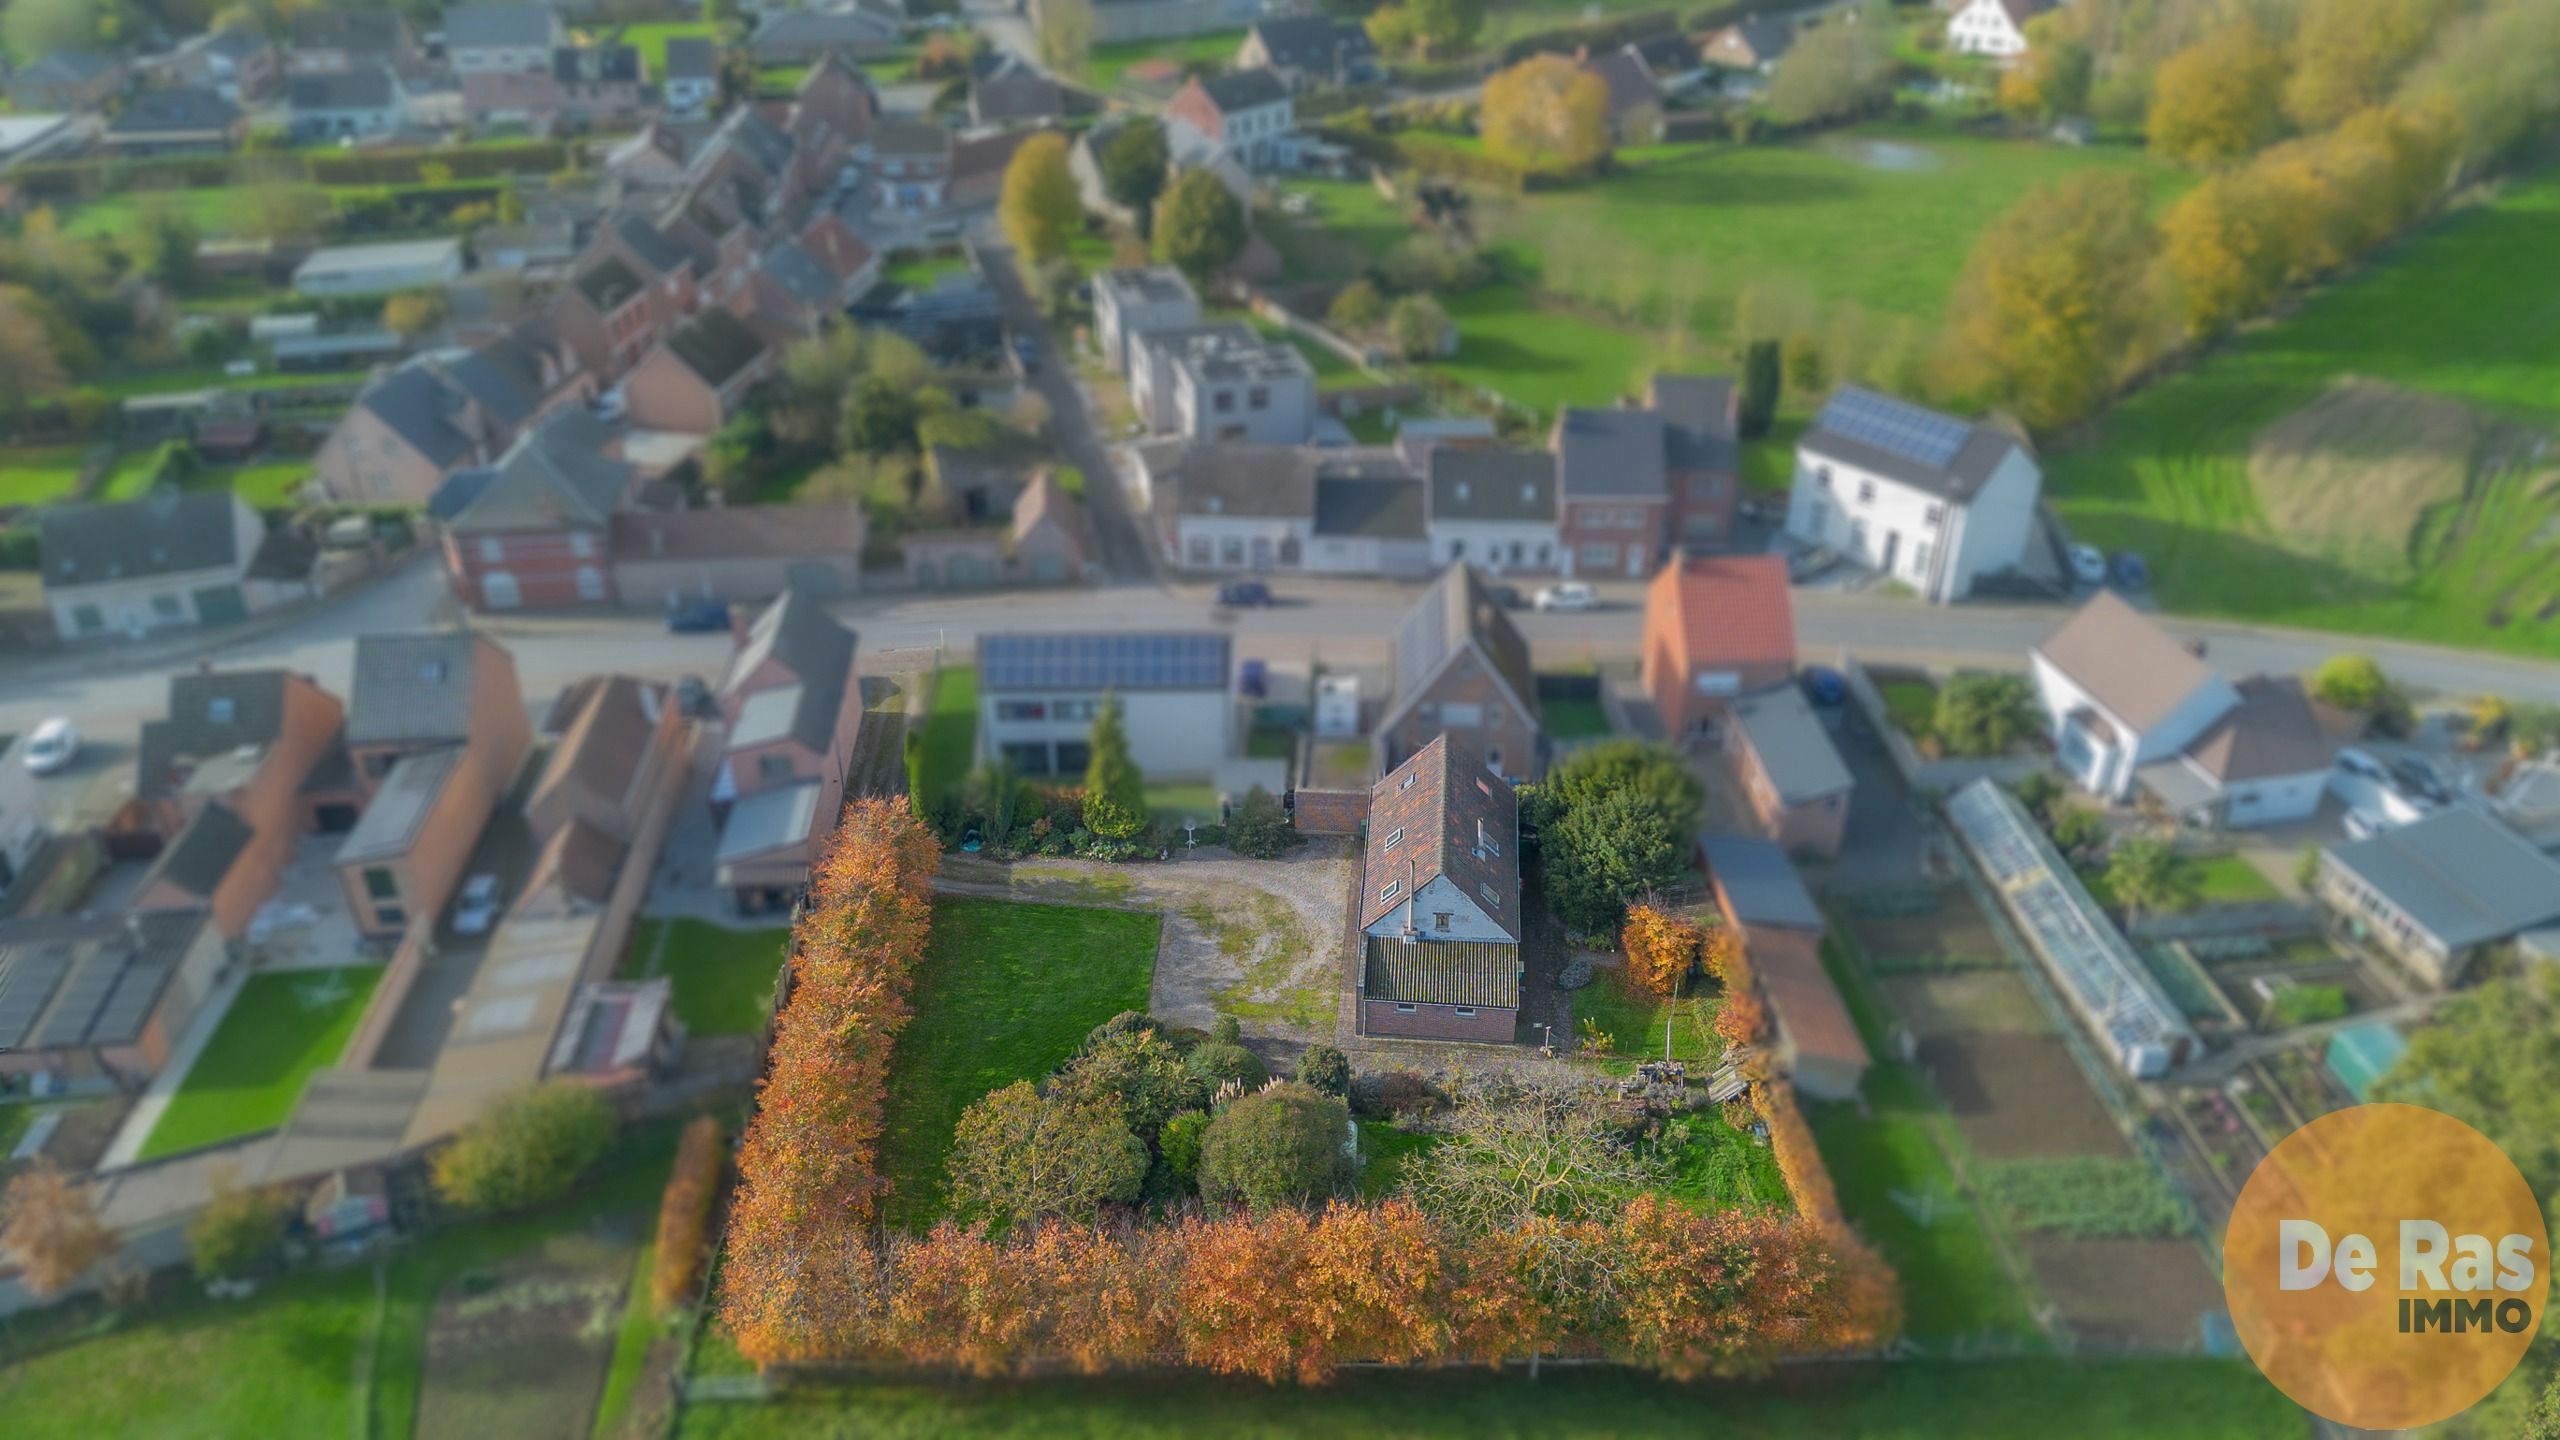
684 1212
809 1170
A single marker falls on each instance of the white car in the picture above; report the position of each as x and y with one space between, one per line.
479 907
50 746
2088 565
1567 595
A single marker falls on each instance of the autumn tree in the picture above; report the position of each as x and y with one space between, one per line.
684 1211
1417 327
1358 309
2224 243
2493 72
1548 116
49 1224
1426 28
2055 296
1833 71
2348 54
2217 99
1199 226
1115 801
1741 1020
413 313
2052 78
1065 35
1134 163
1017 1157
1282 1145
26 352
526 1148
1039 209
239 1229
1661 949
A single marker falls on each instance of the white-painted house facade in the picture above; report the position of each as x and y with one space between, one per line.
1131 303
1038 695
1923 498
2129 706
1993 28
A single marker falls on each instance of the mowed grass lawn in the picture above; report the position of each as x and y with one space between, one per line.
723 978
288 1360
1997 1400
949 739
1007 992
34 474
650 38
2166 473
283 1025
1110 62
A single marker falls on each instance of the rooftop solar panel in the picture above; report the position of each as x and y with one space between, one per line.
1895 426
75 1012
27 981
1103 662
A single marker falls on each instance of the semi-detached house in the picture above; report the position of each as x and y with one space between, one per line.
1917 496
536 533
167 559
1463 669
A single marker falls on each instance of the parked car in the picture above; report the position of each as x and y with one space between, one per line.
1825 686
477 910
1242 593
2416 777
2088 564
2356 762
1811 561
1567 595
693 697
2131 573
694 617
1028 353
51 746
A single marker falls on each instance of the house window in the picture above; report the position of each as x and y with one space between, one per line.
1027 758
1231 550
167 606
88 617
1822 476
1391 890
1199 550
390 917
1405 1009
492 550
381 884
1485 841
1073 709
1223 402
773 767
1866 492
1598 557
1074 756
219 710
1257 398
1395 838
1440 920
1493 760
1485 888
1022 709
582 544
1463 1012
1934 515
1459 715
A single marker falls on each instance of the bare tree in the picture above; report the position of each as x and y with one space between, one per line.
1522 1150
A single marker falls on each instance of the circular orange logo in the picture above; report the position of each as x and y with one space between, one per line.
2386 1266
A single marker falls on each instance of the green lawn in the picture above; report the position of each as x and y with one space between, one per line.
2230 880
723 978
1573 719
2166 472
34 474
1993 1400
919 269
1636 1024
1889 1164
1190 799
948 743
1384 1149
650 39
267 485
1536 354
284 1025
1911 703
1110 62
1007 992
295 1358
132 473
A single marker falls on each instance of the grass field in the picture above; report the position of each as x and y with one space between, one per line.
34 474
1911 703
2166 472
1998 1400
1110 62
1637 1024
2219 880
313 1355
949 740
1889 1162
1573 719
284 1025
723 978
1007 992
650 39
919 269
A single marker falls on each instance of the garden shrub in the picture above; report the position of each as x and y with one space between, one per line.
1325 1068
684 1211
526 1148
1220 1061
1281 1146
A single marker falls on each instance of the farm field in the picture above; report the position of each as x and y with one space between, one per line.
1996 1400
2434 319
723 977
1007 992
284 1025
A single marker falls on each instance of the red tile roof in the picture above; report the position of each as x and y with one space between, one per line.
1724 611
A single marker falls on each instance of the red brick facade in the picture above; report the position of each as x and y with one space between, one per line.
1488 1024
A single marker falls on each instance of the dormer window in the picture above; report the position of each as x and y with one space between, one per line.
1408 782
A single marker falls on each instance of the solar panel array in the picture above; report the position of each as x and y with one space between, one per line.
1103 662
2096 970
75 1011
27 981
126 1010
1895 426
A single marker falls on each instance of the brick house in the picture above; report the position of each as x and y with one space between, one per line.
536 533
1793 776
437 730
1243 114
104 997
616 741
792 699
737 553
502 56
1715 627
1701 454
699 376
442 412
609 314
1462 668
1440 901
244 763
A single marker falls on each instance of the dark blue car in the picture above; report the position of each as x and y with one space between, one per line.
2131 573
698 617
1825 686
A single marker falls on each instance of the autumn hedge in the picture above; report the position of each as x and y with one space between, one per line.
684 1212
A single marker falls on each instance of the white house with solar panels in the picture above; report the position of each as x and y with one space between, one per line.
1915 495
1038 694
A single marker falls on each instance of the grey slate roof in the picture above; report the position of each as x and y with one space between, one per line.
1374 507
175 108
1453 615
799 273
415 402
1907 443
68 983
1792 745
203 853
596 63
556 476
1492 483
691 57
1313 42
476 26
504 375
647 242
2459 875
608 284
1697 421
407 796
168 533
1112 660
909 139
767 820
210 713
357 31
67 67
1604 453
411 688
365 89
1769 36
797 632
1759 882
716 345
1256 480
1244 90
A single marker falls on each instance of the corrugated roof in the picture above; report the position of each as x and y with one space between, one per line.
1113 660
2459 875
1441 972
2125 661
1791 745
